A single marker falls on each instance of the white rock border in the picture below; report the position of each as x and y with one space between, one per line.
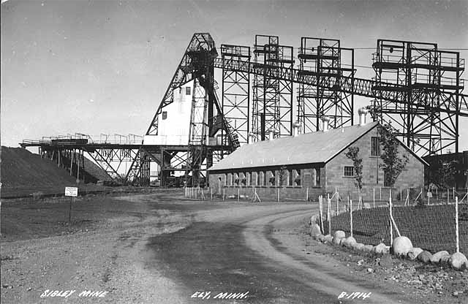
457 260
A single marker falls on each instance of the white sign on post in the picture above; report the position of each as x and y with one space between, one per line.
71 191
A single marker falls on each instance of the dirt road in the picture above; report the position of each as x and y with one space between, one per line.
244 252
160 248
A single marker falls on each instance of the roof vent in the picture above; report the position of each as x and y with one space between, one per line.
271 135
362 116
326 122
296 129
252 138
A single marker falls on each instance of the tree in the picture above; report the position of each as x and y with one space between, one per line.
353 154
393 164
444 173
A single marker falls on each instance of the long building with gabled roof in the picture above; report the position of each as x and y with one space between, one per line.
313 164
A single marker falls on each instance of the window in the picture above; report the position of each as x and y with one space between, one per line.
188 90
164 115
242 179
261 177
348 171
229 179
271 178
290 178
248 178
317 177
236 179
375 146
297 177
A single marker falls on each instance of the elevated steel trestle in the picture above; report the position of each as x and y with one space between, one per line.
267 90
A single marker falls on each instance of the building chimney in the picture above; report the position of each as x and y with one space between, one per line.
252 138
296 129
325 121
362 116
271 135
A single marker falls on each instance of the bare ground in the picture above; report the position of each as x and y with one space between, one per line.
104 249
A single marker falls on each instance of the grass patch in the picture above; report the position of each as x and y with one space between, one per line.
431 228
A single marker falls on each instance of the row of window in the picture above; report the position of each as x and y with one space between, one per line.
270 178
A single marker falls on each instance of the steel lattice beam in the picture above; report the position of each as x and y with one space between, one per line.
430 103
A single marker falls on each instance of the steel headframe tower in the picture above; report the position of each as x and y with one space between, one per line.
236 91
206 113
425 84
272 95
328 63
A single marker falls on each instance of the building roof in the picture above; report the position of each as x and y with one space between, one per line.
316 147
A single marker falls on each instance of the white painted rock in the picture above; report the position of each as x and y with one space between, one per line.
357 246
458 260
342 241
438 255
349 241
425 256
444 260
413 253
339 234
315 231
321 238
381 249
313 219
401 246
328 238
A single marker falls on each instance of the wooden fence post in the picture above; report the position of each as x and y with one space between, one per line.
329 214
457 235
373 195
351 216
337 203
320 210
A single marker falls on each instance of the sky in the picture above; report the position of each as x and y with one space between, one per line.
102 66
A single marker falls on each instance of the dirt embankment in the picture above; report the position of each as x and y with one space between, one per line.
24 173
22 169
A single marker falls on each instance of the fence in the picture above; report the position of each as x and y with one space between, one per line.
432 221
434 225
255 194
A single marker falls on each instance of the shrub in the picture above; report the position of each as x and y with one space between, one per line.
463 212
421 203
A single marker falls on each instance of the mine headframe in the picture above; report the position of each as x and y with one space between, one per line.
195 65
206 113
